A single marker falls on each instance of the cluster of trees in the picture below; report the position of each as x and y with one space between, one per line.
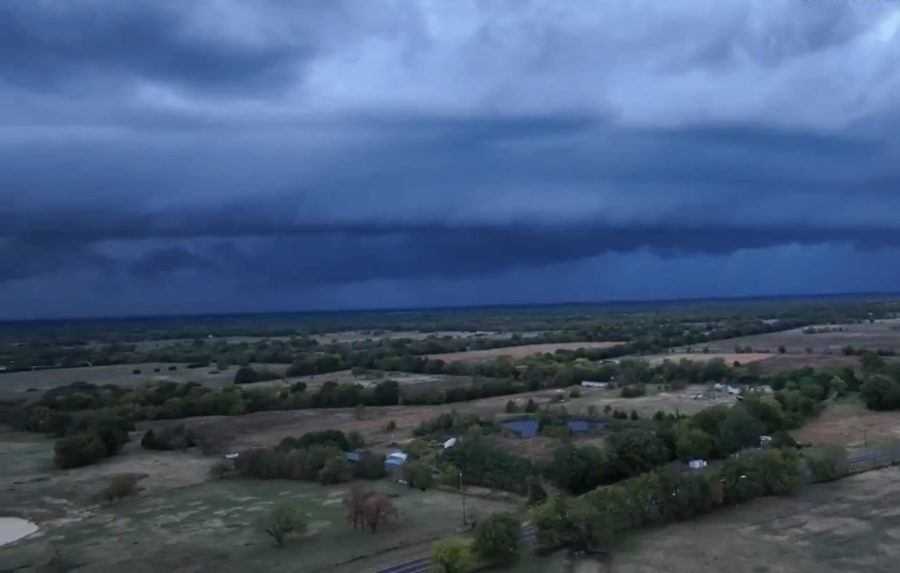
452 423
249 375
881 386
318 456
482 462
597 520
713 433
496 541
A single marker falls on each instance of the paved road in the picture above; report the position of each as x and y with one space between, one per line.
528 537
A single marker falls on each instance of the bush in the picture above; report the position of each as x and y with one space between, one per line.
121 485
283 520
881 393
335 438
171 438
79 450
369 466
335 470
633 391
453 556
497 538
827 464
418 475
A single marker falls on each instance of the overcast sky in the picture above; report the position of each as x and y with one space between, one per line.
214 156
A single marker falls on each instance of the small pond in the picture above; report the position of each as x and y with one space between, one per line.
523 427
14 528
529 427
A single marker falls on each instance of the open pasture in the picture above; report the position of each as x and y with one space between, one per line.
33 382
852 525
218 526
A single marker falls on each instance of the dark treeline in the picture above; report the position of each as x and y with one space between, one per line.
648 327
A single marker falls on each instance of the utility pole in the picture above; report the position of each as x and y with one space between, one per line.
462 493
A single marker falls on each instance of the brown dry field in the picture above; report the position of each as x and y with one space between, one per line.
517 352
882 334
849 423
852 525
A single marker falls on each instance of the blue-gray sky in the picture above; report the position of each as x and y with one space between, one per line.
169 156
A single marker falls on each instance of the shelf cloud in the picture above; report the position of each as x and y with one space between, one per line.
221 155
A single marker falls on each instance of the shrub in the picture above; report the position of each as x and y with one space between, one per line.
170 438
827 464
335 470
334 438
418 475
497 538
369 466
79 450
121 485
284 519
633 390
881 393
453 556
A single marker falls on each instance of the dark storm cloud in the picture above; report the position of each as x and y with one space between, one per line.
55 45
327 144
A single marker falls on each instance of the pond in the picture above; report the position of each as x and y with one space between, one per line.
14 528
523 427
581 426
529 427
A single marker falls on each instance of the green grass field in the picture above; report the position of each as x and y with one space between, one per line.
216 525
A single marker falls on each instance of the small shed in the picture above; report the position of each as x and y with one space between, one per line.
395 461
697 464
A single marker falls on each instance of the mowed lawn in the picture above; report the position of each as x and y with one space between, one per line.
217 526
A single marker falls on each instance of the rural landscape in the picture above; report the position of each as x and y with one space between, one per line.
559 438
431 286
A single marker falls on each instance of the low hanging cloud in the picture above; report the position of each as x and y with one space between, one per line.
333 144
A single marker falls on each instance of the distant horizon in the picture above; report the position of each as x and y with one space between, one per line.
413 309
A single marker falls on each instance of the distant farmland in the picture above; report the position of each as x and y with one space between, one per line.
517 352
